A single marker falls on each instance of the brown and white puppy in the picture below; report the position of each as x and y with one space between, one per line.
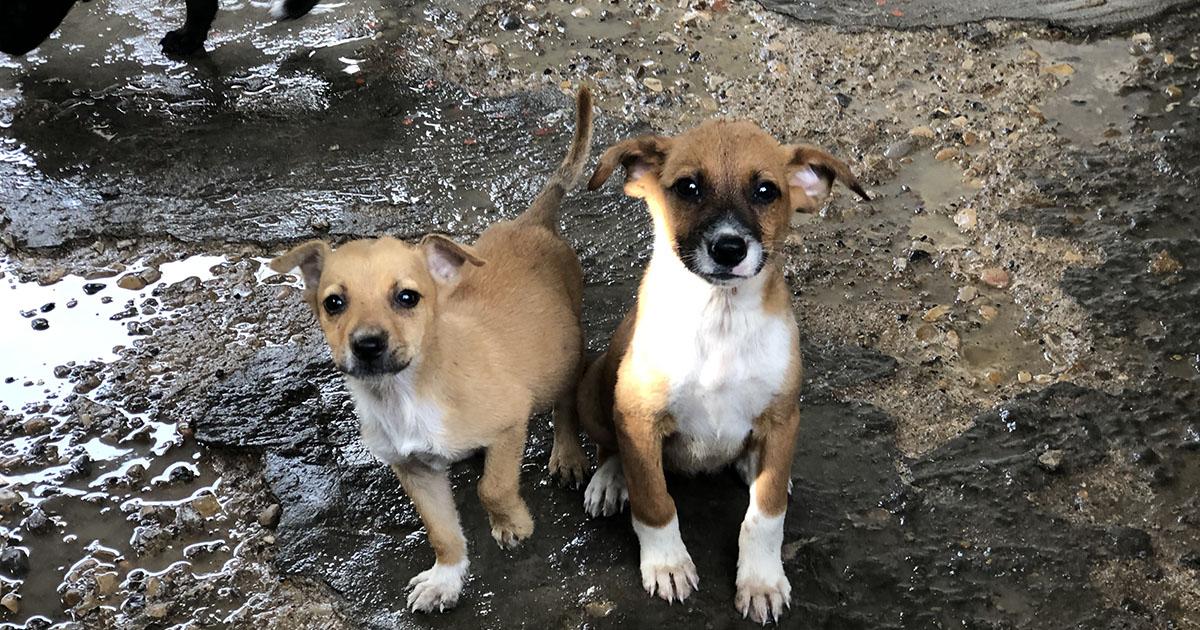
449 348
705 370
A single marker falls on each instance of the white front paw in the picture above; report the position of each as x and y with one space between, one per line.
667 567
606 493
763 591
438 587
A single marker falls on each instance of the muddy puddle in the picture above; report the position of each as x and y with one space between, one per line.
1001 348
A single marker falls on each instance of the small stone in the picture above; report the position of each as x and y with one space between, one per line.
949 153
959 121
995 277
995 377
37 521
1141 38
106 583
1163 264
968 65
952 340
132 282
1072 257
150 275
926 333
8 499
1173 91
14 561
40 323
935 313
1059 70
1043 379
599 609
1024 377
510 22
1051 460
154 586
970 138
490 49
581 12
988 312
12 602
269 516
966 219
966 294
1169 58
897 150
922 132
157 610
654 85
36 426
207 505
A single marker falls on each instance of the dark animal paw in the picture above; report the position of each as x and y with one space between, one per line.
291 9
181 43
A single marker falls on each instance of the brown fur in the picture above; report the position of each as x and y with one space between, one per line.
495 337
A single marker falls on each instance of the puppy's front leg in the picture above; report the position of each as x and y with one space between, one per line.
763 589
429 489
500 491
666 565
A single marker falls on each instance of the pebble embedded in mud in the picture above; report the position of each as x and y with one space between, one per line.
995 277
1163 263
1051 460
269 516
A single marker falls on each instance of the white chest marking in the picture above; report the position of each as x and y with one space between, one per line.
397 424
725 359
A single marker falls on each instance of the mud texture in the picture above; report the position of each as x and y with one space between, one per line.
1074 14
1002 349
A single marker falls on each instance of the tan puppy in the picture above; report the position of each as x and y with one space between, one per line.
705 371
449 348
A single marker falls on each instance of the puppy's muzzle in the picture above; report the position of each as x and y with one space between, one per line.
370 355
728 250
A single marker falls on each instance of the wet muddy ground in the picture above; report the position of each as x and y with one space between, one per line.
1003 348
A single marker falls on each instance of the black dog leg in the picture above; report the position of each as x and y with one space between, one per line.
25 24
291 9
189 39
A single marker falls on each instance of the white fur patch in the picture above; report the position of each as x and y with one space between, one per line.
667 568
763 590
606 492
437 588
396 423
724 357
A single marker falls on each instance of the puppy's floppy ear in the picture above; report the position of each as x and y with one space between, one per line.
445 258
639 156
811 173
309 257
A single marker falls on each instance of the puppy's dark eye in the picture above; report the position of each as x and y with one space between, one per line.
687 188
765 192
407 298
334 304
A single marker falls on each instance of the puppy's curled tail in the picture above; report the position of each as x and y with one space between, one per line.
544 209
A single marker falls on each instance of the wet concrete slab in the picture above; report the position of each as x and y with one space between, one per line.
1074 14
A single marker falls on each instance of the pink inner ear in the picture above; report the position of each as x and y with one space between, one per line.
812 183
636 170
443 265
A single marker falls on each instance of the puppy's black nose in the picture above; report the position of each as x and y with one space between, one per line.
727 250
369 347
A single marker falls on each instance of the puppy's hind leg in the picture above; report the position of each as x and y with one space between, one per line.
437 588
567 460
499 488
